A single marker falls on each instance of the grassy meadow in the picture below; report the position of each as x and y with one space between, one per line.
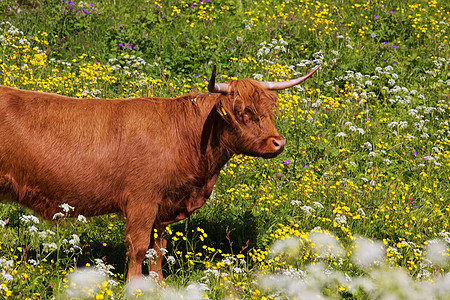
358 205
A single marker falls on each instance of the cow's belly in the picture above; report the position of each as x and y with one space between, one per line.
47 204
180 205
171 212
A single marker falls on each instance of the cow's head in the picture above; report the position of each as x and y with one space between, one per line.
248 107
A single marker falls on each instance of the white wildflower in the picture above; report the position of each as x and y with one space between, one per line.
103 268
58 215
66 207
74 240
445 235
294 273
295 202
257 76
6 276
171 260
318 204
340 219
308 209
51 246
84 283
28 219
289 245
402 124
164 251
33 228
437 252
326 244
151 254
423 274
367 252
361 212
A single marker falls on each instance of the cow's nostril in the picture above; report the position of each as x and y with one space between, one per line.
278 143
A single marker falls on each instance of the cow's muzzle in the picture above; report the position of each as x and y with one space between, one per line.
276 146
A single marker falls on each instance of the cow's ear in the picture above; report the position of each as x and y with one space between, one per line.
225 109
212 129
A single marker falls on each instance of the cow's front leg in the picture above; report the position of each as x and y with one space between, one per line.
139 226
159 242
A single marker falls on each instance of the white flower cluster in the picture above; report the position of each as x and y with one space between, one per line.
274 47
382 281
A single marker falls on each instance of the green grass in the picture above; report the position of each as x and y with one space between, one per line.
366 166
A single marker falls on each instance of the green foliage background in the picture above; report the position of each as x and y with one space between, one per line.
367 153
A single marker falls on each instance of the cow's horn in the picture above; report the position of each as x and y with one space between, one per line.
214 87
275 85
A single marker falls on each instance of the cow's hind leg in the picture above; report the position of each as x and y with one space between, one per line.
158 242
139 226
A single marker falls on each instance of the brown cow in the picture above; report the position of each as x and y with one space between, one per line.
153 160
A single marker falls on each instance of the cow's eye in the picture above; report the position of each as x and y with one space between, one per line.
248 114
246 117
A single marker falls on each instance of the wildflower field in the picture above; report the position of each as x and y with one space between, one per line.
358 205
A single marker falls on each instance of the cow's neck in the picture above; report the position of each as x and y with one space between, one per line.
212 151
216 146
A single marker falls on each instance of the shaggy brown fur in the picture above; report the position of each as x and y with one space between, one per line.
154 160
